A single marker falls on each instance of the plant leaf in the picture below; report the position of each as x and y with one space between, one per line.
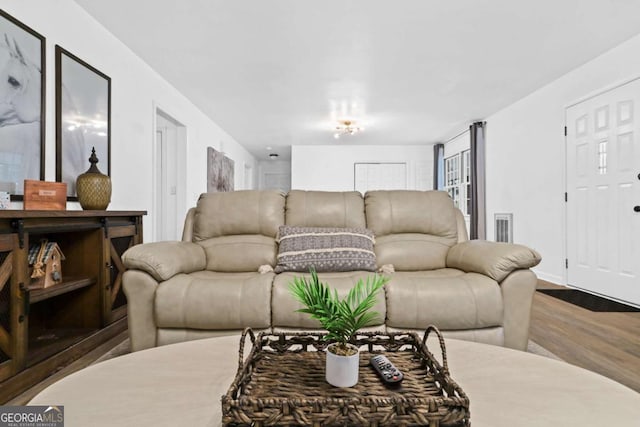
342 318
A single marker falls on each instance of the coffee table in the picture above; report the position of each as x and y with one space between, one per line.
181 385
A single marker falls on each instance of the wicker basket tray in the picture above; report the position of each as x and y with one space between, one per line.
282 382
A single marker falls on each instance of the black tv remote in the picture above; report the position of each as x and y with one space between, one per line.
389 374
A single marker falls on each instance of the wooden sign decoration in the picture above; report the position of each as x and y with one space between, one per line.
42 195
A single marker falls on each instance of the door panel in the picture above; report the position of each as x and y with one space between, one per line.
117 240
12 325
603 186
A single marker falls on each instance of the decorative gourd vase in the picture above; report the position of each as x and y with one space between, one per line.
342 371
93 187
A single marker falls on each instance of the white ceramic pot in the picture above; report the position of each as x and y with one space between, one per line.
342 371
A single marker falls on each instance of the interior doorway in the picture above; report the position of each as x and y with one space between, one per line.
170 176
274 175
603 193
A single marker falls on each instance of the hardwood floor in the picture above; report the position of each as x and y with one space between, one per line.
604 342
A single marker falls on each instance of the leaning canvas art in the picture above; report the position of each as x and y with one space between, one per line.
219 171
22 89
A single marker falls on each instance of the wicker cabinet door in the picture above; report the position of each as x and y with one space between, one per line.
12 317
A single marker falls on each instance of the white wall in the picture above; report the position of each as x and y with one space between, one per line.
135 91
457 144
330 167
526 155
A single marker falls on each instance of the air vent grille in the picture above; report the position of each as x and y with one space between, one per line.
504 227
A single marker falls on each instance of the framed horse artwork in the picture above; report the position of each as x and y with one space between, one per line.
22 105
83 118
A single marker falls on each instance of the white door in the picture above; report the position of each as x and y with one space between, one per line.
603 189
277 181
167 167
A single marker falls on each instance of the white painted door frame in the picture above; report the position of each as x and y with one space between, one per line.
181 168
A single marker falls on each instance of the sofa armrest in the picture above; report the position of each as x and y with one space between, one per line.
493 259
163 260
140 289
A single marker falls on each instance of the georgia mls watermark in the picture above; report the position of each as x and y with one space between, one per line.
31 416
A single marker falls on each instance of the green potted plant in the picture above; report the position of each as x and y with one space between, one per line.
342 318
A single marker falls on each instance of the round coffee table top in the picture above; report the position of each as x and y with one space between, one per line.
181 385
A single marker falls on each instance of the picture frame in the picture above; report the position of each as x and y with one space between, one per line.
220 170
22 105
83 118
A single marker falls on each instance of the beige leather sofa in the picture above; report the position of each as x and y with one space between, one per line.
209 283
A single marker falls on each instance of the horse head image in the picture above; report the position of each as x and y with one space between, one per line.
20 84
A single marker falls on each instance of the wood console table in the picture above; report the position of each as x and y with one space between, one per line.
42 329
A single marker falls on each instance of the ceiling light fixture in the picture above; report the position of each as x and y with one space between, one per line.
346 127
273 156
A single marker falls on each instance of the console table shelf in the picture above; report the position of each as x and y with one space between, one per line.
42 329
70 284
47 342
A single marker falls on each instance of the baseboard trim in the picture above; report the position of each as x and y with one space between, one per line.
551 278
609 297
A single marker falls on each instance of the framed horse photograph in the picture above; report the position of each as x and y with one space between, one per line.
22 105
83 118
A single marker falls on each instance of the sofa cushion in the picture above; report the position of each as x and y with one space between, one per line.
238 212
326 249
493 335
402 211
446 298
239 253
284 306
325 209
210 300
412 251
414 229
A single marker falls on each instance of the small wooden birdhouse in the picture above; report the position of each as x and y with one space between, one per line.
45 259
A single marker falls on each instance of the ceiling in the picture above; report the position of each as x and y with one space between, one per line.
278 73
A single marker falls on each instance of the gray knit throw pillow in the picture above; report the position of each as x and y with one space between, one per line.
325 249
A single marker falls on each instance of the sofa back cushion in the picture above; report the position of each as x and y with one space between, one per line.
238 212
237 229
325 209
414 229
